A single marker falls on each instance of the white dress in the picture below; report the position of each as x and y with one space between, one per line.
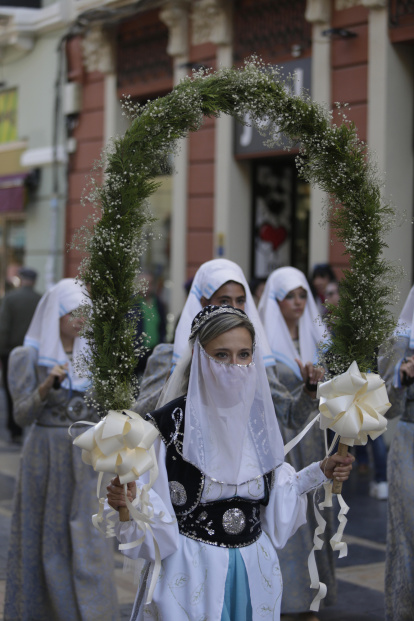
192 581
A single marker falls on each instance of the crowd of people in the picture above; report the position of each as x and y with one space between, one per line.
232 517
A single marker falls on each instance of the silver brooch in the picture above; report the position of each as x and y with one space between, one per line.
77 409
177 493
234 521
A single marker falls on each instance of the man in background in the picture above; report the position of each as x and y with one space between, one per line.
16 312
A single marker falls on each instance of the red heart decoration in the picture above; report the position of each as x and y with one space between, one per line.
276 236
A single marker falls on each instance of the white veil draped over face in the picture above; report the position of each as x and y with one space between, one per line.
208 279
311 330
406 320
231 433
44 330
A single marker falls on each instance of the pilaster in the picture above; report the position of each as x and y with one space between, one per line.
318 13
175 15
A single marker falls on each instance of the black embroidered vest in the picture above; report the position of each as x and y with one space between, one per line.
234 522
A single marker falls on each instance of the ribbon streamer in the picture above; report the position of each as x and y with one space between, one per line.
122 443
317 545
336 542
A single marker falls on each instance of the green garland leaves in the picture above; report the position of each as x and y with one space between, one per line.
331 156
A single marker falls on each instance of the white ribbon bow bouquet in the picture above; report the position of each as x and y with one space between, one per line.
122 443
352 405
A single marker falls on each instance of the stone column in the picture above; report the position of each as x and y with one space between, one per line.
318 13
390 131
99 55
175 16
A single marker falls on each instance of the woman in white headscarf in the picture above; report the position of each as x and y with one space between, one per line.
222 476
59 567
219 282
397 369
293 328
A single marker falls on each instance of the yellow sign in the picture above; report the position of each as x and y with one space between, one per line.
8 116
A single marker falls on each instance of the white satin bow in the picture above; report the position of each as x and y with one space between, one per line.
353 405
119 444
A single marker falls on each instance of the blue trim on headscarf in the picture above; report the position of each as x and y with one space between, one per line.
62 310
195 290
280 294
210 290
397 378
288 362
269 361
28 342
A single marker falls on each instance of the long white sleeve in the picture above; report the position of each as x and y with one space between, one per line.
164 529
286 510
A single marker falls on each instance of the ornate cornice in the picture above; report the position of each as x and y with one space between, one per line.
13 41
211 21
340 5
374 4
318 11
175 17
98 51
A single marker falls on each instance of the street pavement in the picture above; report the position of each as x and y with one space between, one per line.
360 575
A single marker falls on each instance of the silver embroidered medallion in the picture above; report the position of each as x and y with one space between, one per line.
177 493
234 521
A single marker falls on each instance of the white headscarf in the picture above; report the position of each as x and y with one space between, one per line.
406 320
209 277
44 330
311 330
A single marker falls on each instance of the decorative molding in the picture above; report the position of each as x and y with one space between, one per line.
175 17
374 4
318 11
341 5
211 21
13 42
97 51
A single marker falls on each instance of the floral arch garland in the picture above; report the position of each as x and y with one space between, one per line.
331 156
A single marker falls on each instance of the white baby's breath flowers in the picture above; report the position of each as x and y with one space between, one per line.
115 235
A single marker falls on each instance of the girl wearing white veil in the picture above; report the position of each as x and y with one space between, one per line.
59 567
219 282
397 369
293 328
222 476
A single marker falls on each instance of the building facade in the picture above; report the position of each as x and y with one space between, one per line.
230 196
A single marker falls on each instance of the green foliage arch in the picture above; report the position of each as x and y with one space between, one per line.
331 156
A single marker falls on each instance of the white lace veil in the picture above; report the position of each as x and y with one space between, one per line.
231 433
